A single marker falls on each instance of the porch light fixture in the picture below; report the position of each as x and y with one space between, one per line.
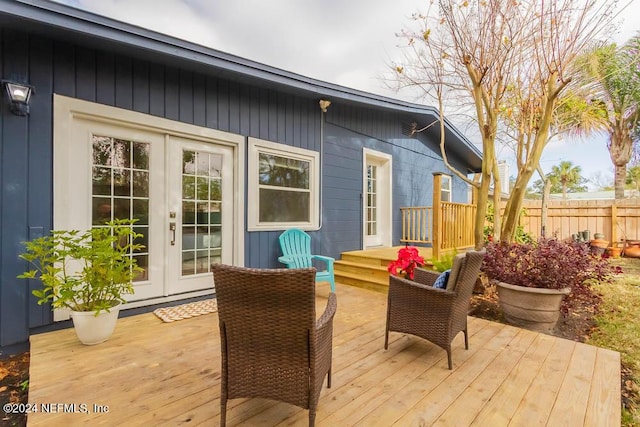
19 96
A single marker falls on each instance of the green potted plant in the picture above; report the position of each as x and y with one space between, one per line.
88 272
532 279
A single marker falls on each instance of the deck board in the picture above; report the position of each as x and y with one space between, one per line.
154 373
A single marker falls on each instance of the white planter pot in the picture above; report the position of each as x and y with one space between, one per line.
92 329
531 308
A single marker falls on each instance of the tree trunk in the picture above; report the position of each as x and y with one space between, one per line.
481 210
497 199
513 208
620 150
514 204
619 180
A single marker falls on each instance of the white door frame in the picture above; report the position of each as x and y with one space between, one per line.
385 197
68 111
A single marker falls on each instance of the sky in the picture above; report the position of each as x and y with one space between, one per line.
346 42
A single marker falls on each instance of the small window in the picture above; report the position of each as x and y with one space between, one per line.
283 187
445 188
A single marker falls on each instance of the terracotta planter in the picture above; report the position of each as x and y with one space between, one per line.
599 243
614 252
632 251
530 308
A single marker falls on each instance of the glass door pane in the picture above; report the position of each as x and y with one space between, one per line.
372 201
201 211
120 188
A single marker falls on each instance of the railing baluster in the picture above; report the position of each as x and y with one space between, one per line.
457 230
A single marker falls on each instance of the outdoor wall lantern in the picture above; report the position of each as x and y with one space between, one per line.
19 96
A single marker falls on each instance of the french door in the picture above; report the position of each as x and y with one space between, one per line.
376 200
180 190
200 212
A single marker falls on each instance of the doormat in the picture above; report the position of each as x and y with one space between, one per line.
186 311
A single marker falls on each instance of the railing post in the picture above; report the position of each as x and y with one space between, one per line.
437 215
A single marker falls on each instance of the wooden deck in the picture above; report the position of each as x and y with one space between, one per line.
154 373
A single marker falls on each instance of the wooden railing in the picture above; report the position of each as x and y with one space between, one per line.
417 224
457 225
444 225
455 229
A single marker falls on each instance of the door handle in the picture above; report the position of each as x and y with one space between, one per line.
172 228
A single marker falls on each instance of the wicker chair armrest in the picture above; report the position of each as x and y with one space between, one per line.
424 276
418 291
327 317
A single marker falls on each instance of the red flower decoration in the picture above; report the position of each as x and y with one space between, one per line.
408 259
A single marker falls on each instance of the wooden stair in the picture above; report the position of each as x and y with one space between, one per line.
368 268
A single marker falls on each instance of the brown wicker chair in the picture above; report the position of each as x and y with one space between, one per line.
437 315
272 345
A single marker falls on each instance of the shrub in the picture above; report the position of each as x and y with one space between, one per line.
550 264
445 262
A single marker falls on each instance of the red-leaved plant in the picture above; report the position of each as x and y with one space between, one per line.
549 264
408 259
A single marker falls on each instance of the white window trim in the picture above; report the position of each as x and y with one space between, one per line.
257 146
447 190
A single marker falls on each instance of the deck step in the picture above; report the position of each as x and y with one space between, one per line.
368 268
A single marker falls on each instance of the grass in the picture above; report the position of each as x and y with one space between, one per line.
618 326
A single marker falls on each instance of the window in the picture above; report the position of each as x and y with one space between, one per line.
283 187
445 188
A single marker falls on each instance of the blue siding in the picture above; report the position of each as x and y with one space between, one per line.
26 158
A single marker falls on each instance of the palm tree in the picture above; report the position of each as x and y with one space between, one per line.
612 74
567 175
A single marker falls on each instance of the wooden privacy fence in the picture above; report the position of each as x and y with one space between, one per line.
616 219
445 225
448 226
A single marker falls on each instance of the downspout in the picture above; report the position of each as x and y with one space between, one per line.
324 104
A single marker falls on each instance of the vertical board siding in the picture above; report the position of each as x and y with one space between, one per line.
40 161
105 79
123 73
85 73
14 174
141 86
57 67
199 100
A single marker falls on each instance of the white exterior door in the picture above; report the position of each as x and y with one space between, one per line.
185 192
376 199
115 172
200 214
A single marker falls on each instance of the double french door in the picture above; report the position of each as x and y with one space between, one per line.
180 190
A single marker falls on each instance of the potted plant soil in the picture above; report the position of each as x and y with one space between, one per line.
88 272
533 279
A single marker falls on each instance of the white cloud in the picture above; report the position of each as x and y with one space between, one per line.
347 42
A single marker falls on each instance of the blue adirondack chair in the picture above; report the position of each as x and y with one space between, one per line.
296 253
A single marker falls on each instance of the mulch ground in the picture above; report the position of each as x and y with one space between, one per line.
14 371
576 325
